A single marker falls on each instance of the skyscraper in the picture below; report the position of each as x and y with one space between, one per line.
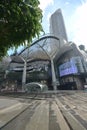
57 26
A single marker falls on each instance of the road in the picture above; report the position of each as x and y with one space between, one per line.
62 110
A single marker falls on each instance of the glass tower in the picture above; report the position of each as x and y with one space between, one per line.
57 26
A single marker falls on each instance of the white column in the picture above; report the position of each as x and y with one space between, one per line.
53 75
24 76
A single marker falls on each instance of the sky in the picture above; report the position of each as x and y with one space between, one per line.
75 18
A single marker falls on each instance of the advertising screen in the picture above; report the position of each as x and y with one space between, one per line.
68 68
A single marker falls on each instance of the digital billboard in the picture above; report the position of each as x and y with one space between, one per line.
68 68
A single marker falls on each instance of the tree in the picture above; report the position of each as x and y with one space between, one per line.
20 21
82 47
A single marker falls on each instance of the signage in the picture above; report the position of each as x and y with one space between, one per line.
68 68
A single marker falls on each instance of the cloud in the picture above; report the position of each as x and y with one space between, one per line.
79 25
45 4
67 3
48 16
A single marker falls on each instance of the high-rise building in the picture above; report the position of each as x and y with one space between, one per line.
57 26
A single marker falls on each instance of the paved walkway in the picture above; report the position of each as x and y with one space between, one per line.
9 109
50 111
4 102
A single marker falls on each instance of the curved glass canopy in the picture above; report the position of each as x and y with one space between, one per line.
36 61
43 48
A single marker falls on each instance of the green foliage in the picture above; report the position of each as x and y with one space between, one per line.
20 21
82 47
